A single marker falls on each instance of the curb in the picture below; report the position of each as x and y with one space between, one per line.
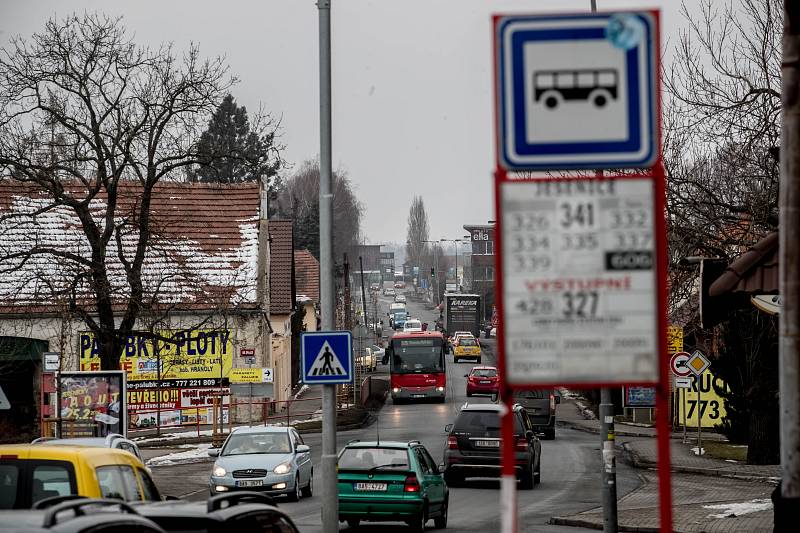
171 443
623 433
630 457
588 524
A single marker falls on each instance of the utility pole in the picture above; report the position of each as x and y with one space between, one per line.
330 498
787 503
608 466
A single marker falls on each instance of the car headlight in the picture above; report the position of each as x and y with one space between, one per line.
283 468
219 471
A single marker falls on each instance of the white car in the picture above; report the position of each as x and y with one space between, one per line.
400 299
412 325
388 292
368 361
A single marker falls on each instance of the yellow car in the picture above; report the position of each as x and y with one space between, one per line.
31 473
466 348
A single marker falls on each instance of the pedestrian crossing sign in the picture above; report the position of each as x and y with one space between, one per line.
326 357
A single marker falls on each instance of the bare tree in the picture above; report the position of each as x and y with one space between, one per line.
86 114
299 200
417 233
722 129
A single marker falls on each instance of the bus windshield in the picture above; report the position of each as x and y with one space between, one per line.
417 356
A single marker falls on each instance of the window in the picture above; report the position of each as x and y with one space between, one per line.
489 247
118 482
485 372
150 490
49 481
247 443
489 273
367 458
9 476
423 464
128 447
431 463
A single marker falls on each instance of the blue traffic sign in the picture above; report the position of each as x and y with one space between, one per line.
577 91
326 357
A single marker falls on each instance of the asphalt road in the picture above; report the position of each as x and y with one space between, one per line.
570 464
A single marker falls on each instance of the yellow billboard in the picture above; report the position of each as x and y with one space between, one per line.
711 407
190 354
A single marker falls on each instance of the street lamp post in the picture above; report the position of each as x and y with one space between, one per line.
435 271
455 242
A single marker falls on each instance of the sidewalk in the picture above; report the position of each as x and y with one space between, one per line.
709 495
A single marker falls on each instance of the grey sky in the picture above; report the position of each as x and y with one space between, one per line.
412 85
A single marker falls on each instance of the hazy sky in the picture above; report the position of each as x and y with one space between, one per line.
412 85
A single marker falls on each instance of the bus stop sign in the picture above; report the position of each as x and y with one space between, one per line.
577 91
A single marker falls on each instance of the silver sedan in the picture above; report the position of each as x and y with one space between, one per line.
268 459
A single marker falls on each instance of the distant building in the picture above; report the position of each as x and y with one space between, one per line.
387 266
480 272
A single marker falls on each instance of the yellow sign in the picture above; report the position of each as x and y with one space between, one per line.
711 407
674 340
246 375
195 354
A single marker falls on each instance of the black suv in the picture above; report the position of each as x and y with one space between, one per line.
473 445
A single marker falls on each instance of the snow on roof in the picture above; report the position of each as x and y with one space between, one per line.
202 253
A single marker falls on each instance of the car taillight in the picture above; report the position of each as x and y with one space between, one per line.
552 402
412 485
522 444
452 443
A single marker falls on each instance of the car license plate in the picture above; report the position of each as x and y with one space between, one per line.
485 382
371 486
488 443
417 395
250 483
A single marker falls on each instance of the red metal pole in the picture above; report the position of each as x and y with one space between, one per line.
662 390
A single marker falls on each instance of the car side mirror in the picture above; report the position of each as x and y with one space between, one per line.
440 468
302 448
558 399
466 375
213 452
448 428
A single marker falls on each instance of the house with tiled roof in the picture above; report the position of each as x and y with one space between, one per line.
205 277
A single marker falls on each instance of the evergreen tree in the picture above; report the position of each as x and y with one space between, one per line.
231 151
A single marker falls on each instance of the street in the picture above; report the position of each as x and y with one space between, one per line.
570 464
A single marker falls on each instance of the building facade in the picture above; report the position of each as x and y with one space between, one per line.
480 273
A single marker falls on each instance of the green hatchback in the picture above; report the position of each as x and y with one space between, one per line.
391 481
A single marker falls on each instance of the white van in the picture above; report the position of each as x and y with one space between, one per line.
412 325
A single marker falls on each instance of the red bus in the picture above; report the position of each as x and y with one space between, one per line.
417 366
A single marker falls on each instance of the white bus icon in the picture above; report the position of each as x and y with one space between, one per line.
554 87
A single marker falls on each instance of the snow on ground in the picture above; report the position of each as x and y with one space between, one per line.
698 451
302 390
194 453
733 509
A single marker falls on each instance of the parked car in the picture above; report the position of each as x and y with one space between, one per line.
541 408
112 440
30 473
274 460
79 515
379 353
368 361
391 481
473 445
243 511
482 380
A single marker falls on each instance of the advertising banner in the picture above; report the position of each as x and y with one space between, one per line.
640 397
203 397
153 399
711 407
199 354
92 403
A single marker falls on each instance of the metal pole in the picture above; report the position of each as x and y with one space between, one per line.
699 417
609 467
683 408
789 261
329 492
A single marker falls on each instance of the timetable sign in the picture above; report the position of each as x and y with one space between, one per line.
579 281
